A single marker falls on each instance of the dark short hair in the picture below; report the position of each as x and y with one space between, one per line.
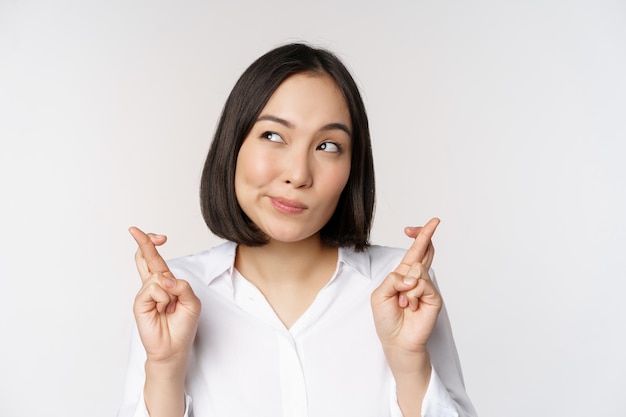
351 222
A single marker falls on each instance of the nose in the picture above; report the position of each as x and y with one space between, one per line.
298 169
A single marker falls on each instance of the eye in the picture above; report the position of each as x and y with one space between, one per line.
329 147
272 137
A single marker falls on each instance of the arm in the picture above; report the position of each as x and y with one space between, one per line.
134 402
166 311
406 309
412 374
445 394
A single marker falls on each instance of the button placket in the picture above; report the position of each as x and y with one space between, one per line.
294 399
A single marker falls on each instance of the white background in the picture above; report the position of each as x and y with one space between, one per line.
505 119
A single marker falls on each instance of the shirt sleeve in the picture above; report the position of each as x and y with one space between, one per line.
445 395
437 401
134 404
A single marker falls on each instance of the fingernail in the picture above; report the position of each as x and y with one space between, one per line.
402 301
170 283
409 280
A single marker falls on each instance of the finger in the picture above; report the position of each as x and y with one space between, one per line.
152 296
412 231
149 252
140 262
392 286
171 307
412 278
142 265
182 294
419 247
423 293
416 271
158 240
430 255
403 302
413 296
163 289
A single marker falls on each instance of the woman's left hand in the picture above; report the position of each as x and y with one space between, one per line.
406 304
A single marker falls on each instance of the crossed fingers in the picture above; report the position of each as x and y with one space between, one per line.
147 258
153 270
421 249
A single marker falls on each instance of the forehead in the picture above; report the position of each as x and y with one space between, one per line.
308 99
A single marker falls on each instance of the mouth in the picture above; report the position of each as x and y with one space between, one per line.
288 206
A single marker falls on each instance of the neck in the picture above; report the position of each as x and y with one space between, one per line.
290 275
278 262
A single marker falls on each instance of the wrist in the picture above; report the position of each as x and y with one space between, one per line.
395 346
164 389
408 362
411 372
172 369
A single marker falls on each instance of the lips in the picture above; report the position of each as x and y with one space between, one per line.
288 206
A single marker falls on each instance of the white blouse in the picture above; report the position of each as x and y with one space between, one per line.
245 362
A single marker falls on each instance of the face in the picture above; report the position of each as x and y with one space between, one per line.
295 162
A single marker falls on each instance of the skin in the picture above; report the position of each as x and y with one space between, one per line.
288 181
291 170
295 154
406 306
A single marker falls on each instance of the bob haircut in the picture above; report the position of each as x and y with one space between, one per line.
350 224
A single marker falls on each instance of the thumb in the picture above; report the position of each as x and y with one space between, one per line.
183 291
396 283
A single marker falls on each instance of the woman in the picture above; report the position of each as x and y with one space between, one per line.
296 314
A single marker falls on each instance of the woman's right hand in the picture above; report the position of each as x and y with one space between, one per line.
166 309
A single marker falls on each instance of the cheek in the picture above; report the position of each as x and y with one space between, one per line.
335 184
252 169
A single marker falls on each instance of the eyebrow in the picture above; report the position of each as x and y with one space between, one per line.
289 125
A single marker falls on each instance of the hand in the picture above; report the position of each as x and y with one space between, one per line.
406 304
166 309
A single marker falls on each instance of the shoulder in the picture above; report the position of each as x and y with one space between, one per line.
384 259
204 265
374 262
380 253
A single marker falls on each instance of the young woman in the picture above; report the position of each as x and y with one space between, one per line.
296 314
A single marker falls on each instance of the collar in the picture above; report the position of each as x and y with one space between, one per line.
358 261
221 259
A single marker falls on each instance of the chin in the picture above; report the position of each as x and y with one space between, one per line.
289 236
